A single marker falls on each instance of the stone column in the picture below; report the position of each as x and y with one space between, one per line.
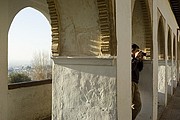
155 62
124 36
3 58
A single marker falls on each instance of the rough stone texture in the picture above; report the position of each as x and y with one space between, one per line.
80 32
174 71
174 74
83 92
169 75
161 84
161 79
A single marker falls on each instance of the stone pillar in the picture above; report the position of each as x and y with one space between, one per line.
3 58
170 70
155 62
124 36
166 65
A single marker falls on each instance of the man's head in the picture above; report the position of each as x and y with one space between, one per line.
135 49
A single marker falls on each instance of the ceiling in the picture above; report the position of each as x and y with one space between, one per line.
175 5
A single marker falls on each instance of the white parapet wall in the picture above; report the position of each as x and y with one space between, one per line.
161 82
30 103
84 89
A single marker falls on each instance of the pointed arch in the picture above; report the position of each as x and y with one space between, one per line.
169 44
142 27
161 39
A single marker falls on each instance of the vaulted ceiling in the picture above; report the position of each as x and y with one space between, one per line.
175 5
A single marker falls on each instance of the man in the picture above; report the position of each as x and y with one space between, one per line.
137 66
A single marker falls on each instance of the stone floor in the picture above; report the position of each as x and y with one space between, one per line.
172 111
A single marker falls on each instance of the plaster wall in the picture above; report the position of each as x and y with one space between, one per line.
80 32
84 91
169 79
3 58
174 74
30 103
161 82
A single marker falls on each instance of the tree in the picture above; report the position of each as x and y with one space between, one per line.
41 66
18 77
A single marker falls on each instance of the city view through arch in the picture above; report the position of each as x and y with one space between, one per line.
29 39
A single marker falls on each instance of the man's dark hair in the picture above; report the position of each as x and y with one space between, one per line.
134 47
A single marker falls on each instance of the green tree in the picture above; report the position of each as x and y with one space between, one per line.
18 77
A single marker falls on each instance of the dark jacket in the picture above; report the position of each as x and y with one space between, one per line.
137 66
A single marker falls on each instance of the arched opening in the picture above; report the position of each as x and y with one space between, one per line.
161 40
174 48
29 46
141 27
161 66
169 62
169 45
142 36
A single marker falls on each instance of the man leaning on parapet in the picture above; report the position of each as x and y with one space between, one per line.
137 66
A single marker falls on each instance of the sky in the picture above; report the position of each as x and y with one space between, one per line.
29 33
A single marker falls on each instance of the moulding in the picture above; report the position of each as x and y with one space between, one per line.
89 60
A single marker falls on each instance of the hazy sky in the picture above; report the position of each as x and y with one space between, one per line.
30 32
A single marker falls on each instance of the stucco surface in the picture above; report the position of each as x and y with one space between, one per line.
80 33
161 83
161 78
82 92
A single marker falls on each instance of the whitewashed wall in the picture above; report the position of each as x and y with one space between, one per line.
161 82
84 89
30 103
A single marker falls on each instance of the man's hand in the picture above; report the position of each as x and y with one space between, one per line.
139 55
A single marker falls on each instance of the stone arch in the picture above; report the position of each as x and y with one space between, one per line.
174 47
27 41
82 34
55 26
142 27
161 39
40 6
106 9
169 44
